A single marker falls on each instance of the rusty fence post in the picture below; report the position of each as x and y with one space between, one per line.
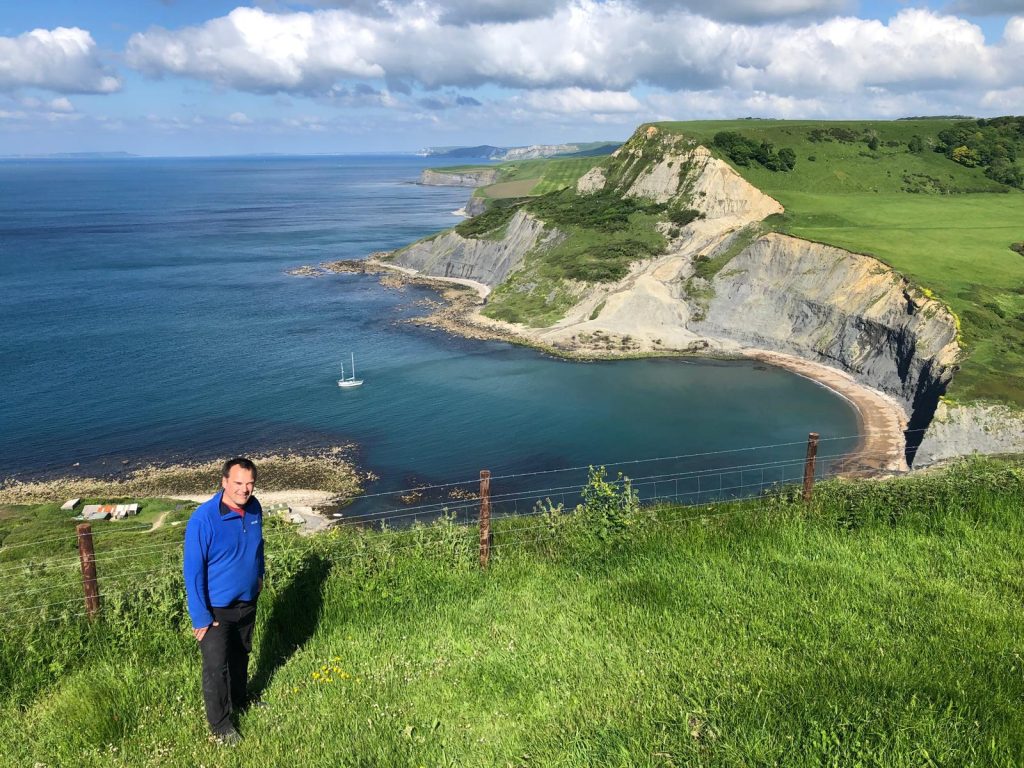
485 517
88 557
812 452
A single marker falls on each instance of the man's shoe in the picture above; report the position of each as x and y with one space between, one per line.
230 738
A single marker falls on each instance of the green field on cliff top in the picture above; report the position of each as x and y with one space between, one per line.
880 625
879 188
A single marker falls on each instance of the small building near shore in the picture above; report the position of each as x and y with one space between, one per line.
108 511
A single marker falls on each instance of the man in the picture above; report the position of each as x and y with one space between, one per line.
223 577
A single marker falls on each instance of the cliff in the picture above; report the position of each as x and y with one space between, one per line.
480 177
725 284
487 261
841 308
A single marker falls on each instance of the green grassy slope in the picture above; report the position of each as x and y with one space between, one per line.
946 226
879 627
547 175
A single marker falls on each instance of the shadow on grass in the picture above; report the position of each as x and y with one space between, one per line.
293 620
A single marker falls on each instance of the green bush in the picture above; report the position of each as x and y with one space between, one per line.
741 150
685 216
608 508
605 211
496 217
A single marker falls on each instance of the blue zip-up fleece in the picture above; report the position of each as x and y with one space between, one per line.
223 557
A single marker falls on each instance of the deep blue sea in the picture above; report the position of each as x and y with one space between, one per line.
146 315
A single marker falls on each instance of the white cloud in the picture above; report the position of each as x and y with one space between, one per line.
577 100
252 50
589 54
64 60
1006 100
61 104
1014 32
239 118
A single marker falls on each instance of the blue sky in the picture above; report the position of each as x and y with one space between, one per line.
184 77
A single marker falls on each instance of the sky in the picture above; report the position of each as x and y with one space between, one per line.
208 77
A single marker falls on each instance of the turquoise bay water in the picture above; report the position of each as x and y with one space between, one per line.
146 315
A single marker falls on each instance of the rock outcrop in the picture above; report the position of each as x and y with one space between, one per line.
958 429
482 260
475 206
480 177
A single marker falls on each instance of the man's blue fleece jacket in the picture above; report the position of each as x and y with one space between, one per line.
223 557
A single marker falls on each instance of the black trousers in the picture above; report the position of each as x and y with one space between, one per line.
225 649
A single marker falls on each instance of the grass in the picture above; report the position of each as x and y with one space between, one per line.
878 627
508 189
520 178
530 296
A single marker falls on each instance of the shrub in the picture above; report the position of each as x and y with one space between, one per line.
685 216
495 217
608 507
604 211
741 150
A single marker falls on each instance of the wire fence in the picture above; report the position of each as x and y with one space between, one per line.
689 484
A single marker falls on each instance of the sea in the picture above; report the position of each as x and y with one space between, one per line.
147 315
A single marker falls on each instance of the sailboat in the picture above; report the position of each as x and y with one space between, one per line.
351 381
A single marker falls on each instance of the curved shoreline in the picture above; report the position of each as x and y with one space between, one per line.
881 419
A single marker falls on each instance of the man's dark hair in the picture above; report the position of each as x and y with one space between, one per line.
239 461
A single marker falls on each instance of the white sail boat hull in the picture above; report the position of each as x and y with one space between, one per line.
351 381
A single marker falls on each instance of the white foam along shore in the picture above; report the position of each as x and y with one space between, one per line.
483 291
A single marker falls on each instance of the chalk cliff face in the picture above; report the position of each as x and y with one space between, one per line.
777 292
485 261
476 178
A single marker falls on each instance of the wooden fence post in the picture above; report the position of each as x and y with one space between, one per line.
812 452
485 517
88 558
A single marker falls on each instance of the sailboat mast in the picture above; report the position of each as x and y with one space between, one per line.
353 365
